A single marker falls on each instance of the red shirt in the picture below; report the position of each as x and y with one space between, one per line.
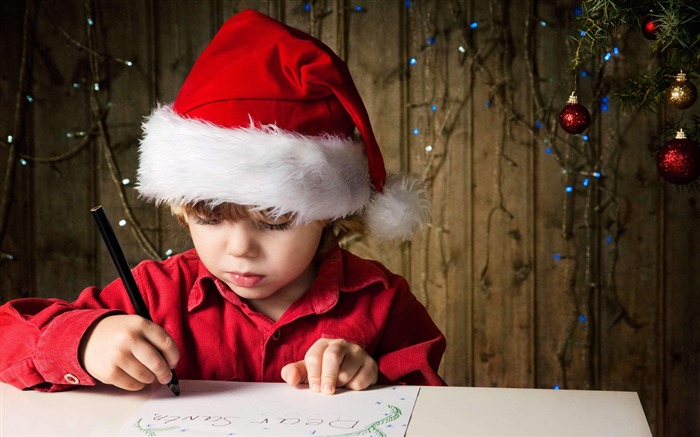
219 336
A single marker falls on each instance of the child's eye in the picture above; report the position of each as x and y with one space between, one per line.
205 221
274 225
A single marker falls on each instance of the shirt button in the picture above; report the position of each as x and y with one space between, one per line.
71 379
276 335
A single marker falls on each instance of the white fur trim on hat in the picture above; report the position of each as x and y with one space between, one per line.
400 209
184 160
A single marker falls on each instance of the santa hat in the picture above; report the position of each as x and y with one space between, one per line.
266 118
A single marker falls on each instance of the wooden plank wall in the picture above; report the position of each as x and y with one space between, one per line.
534 286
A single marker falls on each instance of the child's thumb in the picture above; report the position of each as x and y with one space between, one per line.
294 373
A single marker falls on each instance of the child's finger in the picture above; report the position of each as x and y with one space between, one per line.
151 364
294 373
333 357
364 377
122 379
313 361
164 343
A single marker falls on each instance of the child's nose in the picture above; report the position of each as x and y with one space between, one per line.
241 240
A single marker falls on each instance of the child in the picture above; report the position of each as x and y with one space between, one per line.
257 158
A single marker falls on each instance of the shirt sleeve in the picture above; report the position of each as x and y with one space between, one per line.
412 346
40 338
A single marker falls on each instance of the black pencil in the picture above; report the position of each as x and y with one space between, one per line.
132 289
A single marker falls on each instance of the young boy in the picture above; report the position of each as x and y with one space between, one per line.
257 157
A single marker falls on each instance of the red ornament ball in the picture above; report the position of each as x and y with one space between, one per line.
649 28
574 118
678 162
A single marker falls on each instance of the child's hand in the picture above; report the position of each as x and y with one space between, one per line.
129 352
331 363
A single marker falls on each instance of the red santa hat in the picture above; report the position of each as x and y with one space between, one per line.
267 118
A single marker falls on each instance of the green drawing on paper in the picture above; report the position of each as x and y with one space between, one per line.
151 432
374 426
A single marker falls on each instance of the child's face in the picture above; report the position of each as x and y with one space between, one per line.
262 262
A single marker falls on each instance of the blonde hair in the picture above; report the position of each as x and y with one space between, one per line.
333 230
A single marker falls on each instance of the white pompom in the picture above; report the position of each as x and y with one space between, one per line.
400 209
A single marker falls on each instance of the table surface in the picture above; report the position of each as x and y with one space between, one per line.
439 411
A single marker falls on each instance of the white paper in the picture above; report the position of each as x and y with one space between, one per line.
206 408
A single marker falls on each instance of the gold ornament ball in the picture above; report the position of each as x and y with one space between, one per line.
682 93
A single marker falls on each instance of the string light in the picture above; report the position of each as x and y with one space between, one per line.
90 22
434 108
461 49
412 61
585 138
557 256
556 387
10 138
428 148
126 181
538 125
23 161
416 131
431 40
29 98
569 189
582 318
585 182
474 25
168 252
122 222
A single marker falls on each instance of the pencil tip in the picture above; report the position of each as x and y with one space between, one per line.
174 385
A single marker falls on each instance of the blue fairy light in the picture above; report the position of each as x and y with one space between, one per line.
416 131
543 23
616 51
608 239
585 182
582 33
359 8
582 318
548 150
607 56
578 11
584 138
474 25
569 189
538 125
431 40
412 61
557 256
433 108
307 6
488 103
556 387
596 174
408 3
584 73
